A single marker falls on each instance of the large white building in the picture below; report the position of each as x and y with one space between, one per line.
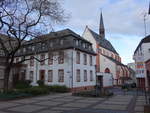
107 59
65 59
141 55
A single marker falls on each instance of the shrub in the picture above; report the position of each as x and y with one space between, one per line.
59 89
40 82
36 90
13 94
125 86
23 84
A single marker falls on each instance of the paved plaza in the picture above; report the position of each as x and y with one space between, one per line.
66 103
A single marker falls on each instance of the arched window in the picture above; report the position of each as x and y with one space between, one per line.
107 70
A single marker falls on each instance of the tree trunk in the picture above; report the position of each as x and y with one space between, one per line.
6 78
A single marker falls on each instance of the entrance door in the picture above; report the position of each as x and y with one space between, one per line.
100 81
42 75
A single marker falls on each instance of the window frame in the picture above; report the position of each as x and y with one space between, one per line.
61 77
50 75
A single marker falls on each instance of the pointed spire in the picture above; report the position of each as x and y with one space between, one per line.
101 27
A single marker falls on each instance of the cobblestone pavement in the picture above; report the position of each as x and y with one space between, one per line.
65 103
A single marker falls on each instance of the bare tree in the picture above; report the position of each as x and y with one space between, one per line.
21 20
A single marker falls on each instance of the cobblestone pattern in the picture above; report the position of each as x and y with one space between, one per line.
65 103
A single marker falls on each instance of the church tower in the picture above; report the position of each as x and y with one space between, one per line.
101 27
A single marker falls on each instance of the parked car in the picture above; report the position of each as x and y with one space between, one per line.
129 84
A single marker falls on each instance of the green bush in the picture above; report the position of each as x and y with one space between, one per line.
13 94
36 90
23 84
40 82
58 88
125 86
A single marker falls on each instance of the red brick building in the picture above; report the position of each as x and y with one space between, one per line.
147 63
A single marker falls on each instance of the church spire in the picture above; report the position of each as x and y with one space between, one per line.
101 27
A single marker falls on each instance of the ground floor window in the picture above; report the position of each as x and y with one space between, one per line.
61 75
91 75
31 75
50 75
85 75
78 75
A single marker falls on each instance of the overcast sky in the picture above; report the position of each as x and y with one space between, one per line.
123 21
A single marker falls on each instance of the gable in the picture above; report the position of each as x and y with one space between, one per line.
103 42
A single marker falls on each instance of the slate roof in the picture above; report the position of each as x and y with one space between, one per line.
58 34
144 40
115 61
103 42
68 37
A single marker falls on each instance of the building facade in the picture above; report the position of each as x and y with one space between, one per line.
147 63
107 59
60 58
141 55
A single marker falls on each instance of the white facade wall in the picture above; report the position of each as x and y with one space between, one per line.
107 80
142 55
83 67
69 69
88 36
106 63
146 51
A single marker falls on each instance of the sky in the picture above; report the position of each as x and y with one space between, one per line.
123 20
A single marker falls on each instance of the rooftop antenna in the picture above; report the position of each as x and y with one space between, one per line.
145 15
145 27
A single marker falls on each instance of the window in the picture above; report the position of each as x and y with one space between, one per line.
91 61
43 45
50 59
17 60
107 70
103 51
77 42
85 59
51 44
78 58
91 75
61 42
31 60
42 59
112 55
61 58
1 73
50 75
78 75
31 76
61 75
85 75
100 50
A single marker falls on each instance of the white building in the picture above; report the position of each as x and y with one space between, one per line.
66 59
141 55
107 59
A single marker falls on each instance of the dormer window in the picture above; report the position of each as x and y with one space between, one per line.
51 44
33 48
76 42
61 42
83 45
43 45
